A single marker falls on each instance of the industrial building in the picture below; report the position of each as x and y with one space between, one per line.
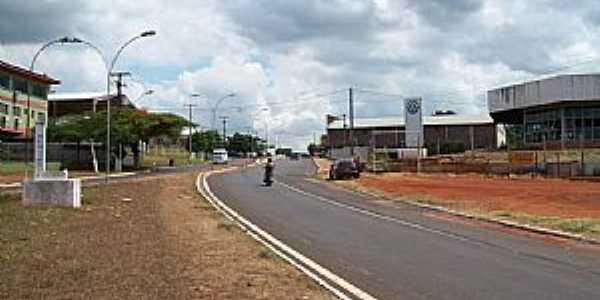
65 104
463 131
18 111
554 113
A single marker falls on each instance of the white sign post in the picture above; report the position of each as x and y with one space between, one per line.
40 150
413 120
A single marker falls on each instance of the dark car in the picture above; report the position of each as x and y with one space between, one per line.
344 168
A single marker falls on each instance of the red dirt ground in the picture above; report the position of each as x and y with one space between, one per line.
547 197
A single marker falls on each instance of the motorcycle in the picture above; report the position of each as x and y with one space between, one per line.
268 179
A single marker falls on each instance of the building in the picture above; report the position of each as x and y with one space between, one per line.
64 104
440 131
556 113
15 83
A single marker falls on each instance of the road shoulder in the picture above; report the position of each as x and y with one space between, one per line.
152 238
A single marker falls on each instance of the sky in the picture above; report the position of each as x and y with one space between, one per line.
291 62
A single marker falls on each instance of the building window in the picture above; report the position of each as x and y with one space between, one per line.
4 81
40 91
16 124
41 116
2 121
4 108
16 111
20 85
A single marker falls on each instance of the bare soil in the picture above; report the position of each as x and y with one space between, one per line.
534 196
547 197
144 239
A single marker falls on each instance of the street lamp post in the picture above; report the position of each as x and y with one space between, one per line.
63 40
191 105
216 106
144 94
108 97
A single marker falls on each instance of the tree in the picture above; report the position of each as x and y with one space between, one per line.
242 143
206 141
128 127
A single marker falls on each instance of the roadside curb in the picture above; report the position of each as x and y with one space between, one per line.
314 271
506 223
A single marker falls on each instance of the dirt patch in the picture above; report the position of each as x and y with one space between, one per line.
148 239
565 205
548 197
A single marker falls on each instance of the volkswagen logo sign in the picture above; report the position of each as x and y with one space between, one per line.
413 106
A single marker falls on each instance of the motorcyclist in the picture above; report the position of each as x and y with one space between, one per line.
269 166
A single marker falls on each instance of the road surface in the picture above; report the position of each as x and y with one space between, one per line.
403 252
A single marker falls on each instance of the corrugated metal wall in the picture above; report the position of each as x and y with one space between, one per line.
560 88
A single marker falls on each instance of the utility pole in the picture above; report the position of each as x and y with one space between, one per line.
190 106
224 118
351 117
120 85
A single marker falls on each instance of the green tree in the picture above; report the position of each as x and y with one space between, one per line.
242 143
128 127
206 141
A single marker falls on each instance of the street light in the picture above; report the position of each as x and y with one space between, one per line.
144 94
255 117
63 40
144 34
195 95
216 106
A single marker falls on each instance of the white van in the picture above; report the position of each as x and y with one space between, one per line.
219 156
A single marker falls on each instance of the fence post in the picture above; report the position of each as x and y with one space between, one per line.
582 163
557 164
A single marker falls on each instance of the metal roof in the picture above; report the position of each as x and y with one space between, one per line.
427 120
14 69
77 96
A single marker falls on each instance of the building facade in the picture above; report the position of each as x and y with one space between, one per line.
17 114
556 113
468 131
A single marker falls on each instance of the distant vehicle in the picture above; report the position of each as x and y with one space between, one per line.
344 168
295 156
220 156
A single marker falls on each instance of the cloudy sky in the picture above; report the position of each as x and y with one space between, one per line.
298 58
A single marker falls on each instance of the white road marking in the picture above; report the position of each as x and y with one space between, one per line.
374 214
286 251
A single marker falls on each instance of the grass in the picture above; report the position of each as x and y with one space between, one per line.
161 157
589 227
163 244
12 167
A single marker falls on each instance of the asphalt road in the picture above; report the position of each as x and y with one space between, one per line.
402 252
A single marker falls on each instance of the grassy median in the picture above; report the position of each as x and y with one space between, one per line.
142 239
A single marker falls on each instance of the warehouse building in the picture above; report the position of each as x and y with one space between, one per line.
17 114
555 113
442 134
